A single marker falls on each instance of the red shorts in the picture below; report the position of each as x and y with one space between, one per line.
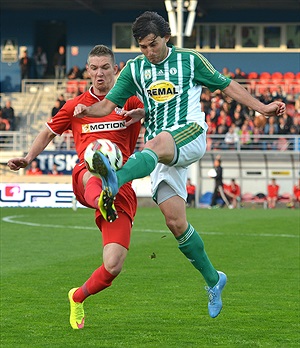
125 203
118 231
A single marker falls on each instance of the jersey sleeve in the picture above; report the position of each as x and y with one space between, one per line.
61 121
124 87
207 75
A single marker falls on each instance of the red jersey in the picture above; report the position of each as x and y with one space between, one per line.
87 129
273 191
234 189
35 171
191 189
296 190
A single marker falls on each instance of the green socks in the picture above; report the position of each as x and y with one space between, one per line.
139 165
192 246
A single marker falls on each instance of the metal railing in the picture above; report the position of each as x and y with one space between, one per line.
21 141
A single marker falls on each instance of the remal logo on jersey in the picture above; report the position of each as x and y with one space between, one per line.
162 91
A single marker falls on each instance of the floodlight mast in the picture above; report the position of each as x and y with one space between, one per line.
176 11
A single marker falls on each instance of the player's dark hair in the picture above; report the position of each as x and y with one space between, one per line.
150 23
101 50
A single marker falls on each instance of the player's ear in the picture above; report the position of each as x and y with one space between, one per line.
167 38
116 69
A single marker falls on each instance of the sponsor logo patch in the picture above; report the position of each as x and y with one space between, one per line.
103 126
162 91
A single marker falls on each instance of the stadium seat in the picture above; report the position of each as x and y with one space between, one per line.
252 76
72 86
260 198
289 76
284 198
247 197
82 85
289 79
264 82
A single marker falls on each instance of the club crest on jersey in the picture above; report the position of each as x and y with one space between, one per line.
162 91
147 74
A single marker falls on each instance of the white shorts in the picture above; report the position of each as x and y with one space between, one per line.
174 177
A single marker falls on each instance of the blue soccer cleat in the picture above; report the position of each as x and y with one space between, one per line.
109 186
214 296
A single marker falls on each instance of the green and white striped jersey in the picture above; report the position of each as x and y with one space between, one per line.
169 90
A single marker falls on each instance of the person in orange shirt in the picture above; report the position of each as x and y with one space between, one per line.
34 169
191 190
233 192
272 197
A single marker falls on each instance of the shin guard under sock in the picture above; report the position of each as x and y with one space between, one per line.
192 246
98 281
92 191
139 165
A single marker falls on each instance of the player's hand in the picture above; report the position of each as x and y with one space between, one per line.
275 108
80 110
136 115
17 163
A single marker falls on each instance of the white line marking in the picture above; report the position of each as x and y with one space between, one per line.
11 219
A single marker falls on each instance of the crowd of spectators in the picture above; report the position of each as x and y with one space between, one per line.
231 122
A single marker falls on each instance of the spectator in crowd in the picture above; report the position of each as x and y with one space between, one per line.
226 72
8 113
272 194
239 74
283 127
257 143
231 138
233 192
243 110
59 62
62 100
266 96
54 170
74 73
288 119
55 108
191 191
25 65
41 62
279 94
238 120
4 123
271 124
34 169
245 136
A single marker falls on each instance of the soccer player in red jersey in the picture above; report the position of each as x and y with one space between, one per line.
272 197
233 192
87 188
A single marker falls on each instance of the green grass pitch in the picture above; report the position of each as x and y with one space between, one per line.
156 301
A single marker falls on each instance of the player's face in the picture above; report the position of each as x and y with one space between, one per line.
102 72
154 48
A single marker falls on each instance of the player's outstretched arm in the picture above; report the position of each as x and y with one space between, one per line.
100 109
38 145
237 92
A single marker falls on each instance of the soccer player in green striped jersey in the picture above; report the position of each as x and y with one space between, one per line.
169 81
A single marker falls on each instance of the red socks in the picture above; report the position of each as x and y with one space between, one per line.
92 191
97 282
